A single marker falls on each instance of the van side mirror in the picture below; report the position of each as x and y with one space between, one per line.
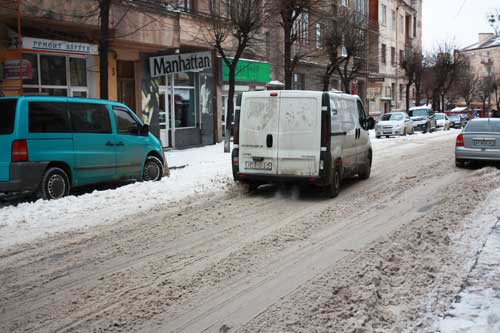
370 123
144 130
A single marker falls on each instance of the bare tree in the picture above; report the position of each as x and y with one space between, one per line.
346 45
412 64
230 31
466 84
294 19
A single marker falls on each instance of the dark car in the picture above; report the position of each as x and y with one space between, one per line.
456 121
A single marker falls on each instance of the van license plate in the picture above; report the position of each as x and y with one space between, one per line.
265 165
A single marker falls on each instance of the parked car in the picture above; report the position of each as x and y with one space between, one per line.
479 141
49 145
394 123
456 121
423 118
308 137
442 121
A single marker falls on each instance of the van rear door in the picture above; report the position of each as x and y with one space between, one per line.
299 139
258 133
7 122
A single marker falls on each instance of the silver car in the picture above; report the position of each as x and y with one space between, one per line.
479 141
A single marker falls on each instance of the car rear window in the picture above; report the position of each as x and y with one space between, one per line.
7 115
483 126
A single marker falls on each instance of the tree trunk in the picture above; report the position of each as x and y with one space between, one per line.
408 86
105 6
443 107
288 57
230 107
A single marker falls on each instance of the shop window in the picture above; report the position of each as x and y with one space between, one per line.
185 111
125 123
53 70
48 118
78 72
33 59
89 118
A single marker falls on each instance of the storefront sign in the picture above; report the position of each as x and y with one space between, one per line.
12 68
59 46
249 71
178 63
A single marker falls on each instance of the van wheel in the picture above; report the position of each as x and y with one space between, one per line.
365 171
55 184
153 169
333 189
427 128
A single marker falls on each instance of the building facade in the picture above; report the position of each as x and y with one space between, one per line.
399 30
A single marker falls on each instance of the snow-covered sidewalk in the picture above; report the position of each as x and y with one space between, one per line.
198 170
477 307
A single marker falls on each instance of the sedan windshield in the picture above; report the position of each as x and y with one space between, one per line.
454 118
389 116
420 113
483 126
439 116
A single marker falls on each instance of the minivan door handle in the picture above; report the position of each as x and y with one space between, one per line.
110 144
119 144
269 141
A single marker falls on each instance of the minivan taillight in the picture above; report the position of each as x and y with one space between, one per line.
324 129
19 151
460 141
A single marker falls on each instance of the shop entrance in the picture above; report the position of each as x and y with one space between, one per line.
166 120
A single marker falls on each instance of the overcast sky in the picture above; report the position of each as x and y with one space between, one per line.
455 20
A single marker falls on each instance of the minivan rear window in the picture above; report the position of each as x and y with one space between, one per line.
483 126
7 115
48 117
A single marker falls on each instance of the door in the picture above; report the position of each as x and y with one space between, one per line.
130 145
164 119
93 143
299 139
348 115
259 121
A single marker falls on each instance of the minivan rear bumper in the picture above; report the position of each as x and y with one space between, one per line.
24 177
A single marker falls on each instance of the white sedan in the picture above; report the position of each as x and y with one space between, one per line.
394 123
442 121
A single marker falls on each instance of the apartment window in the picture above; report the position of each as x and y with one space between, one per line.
401 24
401 88
414 26
393 20
383 54
401 57
298 82
317 29
393 56
301 28
383 14
345 3
185 5
393 90
360 6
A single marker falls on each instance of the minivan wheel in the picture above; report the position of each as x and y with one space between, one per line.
365 171
55 184
153 169
333 189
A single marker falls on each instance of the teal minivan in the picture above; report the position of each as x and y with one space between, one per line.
49 145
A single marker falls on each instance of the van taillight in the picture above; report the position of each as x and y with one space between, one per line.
19 151
324 129
460 141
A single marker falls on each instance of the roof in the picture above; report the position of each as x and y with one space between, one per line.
63 99
492 42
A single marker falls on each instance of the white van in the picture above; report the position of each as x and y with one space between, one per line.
301 137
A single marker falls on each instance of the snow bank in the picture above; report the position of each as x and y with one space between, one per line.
198 170
477 307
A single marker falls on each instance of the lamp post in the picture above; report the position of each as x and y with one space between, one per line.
489 68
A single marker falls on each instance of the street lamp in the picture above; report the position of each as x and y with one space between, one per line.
488 63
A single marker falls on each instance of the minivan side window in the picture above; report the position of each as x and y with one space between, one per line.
347 115
125 123
7 115
89 118
48 117
362 116
335 117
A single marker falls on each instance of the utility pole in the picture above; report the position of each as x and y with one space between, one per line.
489 68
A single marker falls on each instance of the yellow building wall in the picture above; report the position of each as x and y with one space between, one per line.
112 78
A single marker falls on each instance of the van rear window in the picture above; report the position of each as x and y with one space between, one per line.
48 117
7 115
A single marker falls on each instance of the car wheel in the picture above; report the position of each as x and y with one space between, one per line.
333 189
427 128
459 163
153 169
55 184
404 132
365 171
377 136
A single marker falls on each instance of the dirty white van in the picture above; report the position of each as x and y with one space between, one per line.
301 137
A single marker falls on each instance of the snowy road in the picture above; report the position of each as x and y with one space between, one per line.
380 256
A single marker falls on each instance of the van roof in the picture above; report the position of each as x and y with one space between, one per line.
63 99
335 92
